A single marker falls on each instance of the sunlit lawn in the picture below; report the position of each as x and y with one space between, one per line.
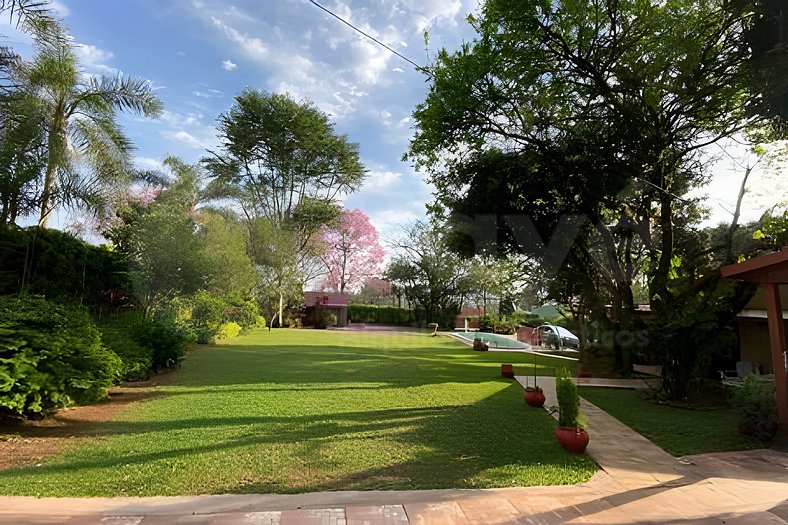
306 410
679 431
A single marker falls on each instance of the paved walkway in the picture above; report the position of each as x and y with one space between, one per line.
638 483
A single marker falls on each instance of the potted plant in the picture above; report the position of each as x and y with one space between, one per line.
534 396
571 431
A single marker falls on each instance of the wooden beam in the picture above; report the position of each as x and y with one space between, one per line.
774 313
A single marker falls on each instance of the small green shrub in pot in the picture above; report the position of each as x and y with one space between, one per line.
569 413
757 406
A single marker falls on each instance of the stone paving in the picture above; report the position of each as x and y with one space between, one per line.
638 483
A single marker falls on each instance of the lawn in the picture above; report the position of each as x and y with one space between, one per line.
302 410
678 431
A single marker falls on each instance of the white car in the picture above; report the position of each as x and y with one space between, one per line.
557 336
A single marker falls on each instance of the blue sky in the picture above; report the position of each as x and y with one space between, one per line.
199 53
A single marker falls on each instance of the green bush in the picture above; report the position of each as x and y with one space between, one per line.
240 311
228 330
207 315
260 322
117 334
487 322
166 342
369 313
50 356
757 406
569 414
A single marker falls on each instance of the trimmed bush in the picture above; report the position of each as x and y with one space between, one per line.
228 330
369 313
50 356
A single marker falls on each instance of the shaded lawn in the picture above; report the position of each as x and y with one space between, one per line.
304 410
678 431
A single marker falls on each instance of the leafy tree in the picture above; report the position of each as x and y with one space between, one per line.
430 275
282 162
353 252
592 109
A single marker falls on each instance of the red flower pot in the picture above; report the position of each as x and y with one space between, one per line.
574 440
507 371
534 397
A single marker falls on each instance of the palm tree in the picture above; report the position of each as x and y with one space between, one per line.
82 132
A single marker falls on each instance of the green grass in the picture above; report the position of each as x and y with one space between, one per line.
678 431
303 410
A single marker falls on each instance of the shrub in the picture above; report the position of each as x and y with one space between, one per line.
166 343
569 414
260 322
207 315
757 406
50 356
505 327
117 335
228 330
57 265
487 322
240 311
368 313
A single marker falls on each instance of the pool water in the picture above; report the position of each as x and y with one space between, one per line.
492 340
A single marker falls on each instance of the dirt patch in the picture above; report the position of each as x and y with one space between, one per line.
24 443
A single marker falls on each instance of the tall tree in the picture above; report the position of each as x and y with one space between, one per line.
282 162
86 149
592 108
353 252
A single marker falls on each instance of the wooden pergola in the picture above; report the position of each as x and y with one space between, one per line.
771 271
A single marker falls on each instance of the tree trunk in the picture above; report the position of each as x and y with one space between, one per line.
281 307
56 144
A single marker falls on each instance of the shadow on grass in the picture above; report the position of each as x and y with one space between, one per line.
453 446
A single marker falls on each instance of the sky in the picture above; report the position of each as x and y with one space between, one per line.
197 54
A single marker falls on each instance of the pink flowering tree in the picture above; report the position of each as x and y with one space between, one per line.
353 252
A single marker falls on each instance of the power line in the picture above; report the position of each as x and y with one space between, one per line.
403 57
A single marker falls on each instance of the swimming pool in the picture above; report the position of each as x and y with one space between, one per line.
492 340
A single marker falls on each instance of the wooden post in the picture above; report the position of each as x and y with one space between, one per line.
774 312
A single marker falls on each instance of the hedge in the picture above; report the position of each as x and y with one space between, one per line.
368 313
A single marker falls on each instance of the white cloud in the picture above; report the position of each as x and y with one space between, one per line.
59 8
179 120
186 138
209 93
377 181
253 47
397 69
94 59
229 65
147 163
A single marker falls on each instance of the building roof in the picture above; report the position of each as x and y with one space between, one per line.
769 268
329 299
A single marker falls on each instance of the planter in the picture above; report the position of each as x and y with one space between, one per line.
507 371
574 440
534 397
584 372
479 346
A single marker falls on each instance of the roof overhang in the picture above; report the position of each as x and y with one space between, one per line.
769 268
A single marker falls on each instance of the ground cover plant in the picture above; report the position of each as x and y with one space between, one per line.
679 431
302 410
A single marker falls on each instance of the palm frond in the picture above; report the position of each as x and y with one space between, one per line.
122 93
